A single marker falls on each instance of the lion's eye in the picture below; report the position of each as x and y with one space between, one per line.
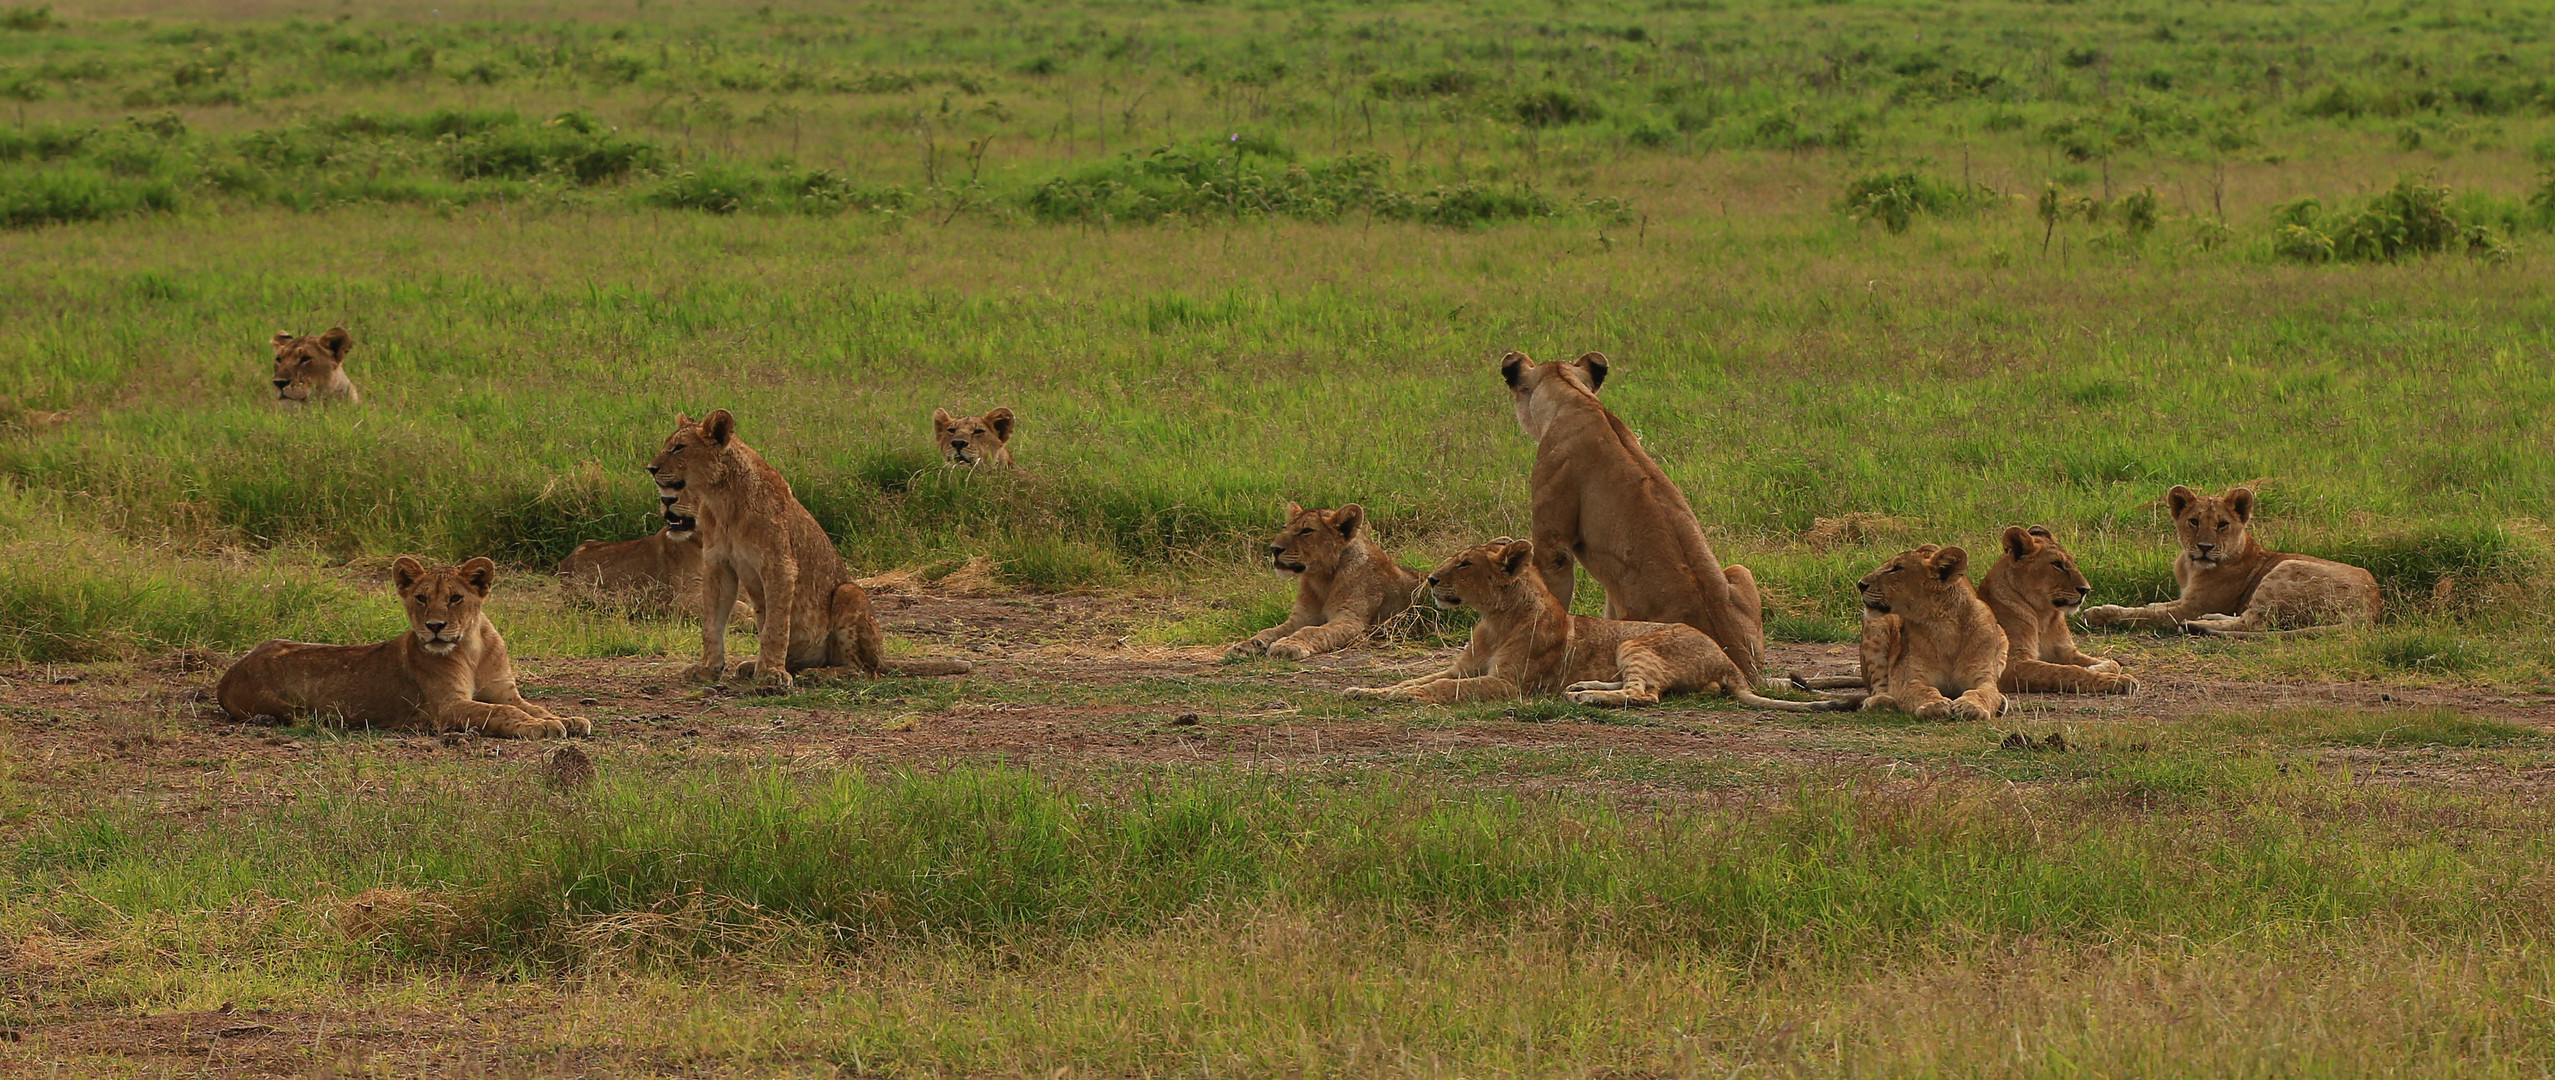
1896 569
456 598
421 598
2061 566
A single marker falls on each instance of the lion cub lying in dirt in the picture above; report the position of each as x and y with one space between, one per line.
2033 585
2233 585
1345 585
449 672
1527 643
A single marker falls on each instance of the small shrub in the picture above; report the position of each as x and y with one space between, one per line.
2138 212
1555 107
1894 199
28 18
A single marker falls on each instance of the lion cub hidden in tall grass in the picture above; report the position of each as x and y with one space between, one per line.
756 539
1346 587
1527 643
973 441
449 672
313 368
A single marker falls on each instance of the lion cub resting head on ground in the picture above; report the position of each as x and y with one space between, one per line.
313 368
2032 587
1527 643
756 539
1931 647
969 441
449 672
1345 586
2233 585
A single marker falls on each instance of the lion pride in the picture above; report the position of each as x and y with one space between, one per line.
756 539
449 672
2030 590
1345 585
313 369
2233 585
1527 643
1601 501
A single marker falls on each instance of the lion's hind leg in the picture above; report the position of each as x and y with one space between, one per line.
1649 666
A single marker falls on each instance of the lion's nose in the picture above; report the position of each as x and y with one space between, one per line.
2084 590
282 383
1276 550
958 444
1432 579
651 467
435 626
2206 548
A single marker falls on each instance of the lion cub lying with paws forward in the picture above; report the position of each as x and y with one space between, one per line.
2233 585
449 672
1931 647
1346 586
757 539
1527 643
2030 589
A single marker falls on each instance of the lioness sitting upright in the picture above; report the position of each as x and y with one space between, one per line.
449 672
1599 498
970 441
313 368
1528 643
757 539
1930 645
2233 585
1345 587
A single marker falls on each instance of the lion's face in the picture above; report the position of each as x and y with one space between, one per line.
1540 389
1314 539
1483 576
695 453
2211 527
304 365
1915 582
443 602
971 440
2044 571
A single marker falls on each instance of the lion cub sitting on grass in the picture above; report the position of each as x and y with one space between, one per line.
1527 643
449 672
313 368
1345 585
756 539
970 441
1931 647
2233 585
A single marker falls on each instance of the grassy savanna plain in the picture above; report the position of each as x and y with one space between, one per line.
1871 274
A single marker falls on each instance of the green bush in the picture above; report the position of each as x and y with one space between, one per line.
1895 198
2412 218
1245 177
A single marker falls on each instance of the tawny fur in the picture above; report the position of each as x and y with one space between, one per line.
1599 500
2032 587
972 441
758 541
1528 644
449 672
1931 647
1345 585
2233 585
313 369
662 565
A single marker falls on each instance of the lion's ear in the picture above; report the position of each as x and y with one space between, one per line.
336 341
282 338
480 573
1949 563
682 419
1000 421
2043 532
1293 508
1594 363
405 572
719 426
2019 542
1347 518
1512 367
2240 500
941 419
2180 499
1513 557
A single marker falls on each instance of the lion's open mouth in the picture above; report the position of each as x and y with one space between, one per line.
680 523
1292 568
1446 599
1876 605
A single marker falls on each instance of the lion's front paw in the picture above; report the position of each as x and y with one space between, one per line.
1247 647
705 672
1606 697
1581 687
2101 614
2121 684
2104 666
771 684
577 725
1289 650
1965 709
541 727
1377 693
1937 709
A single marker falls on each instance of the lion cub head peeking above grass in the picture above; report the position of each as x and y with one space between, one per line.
313 368
971 441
